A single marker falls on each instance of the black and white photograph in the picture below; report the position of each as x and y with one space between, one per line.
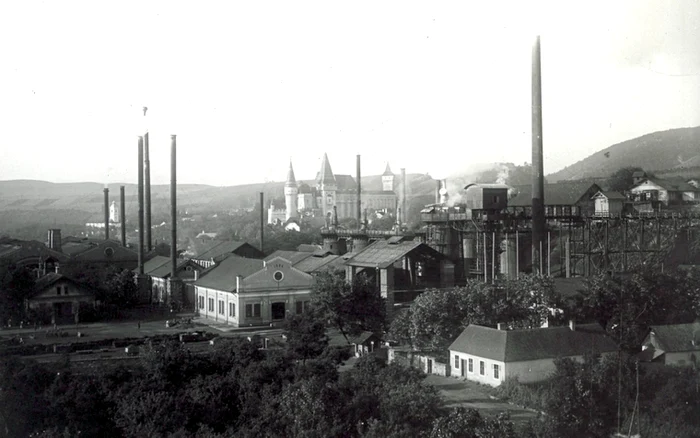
324 219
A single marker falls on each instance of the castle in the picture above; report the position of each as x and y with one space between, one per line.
331 191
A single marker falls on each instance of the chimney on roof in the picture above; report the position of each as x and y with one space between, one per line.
572 325
55 268
501 326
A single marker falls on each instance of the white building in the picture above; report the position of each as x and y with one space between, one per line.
488 355
673 344
247 292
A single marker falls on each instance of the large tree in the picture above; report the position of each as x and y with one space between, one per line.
16 286
350 308
621 180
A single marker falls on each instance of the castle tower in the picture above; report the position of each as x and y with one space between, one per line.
290 194
388 180
113 213
327 186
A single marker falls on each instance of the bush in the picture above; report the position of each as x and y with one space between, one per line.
533 396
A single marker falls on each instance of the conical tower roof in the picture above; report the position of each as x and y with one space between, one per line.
387 172
291 181
326 175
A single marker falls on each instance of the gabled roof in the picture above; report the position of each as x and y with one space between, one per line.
533 344
564 193
382 253
677 337
314 263
325 176
609 195
293 256
220 248
223 276
345 183
672 185
50 279
153 264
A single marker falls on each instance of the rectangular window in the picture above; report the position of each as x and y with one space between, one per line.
496 371
221 308
231 309
482 367
300 307
456 361
58 290
211 304
471 365
201 302
252 310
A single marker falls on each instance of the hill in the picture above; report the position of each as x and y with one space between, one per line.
672 149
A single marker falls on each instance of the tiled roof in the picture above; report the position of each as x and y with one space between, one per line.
672 185
314 263
165 269
325 176
677 337
533 344
219 248
564 193
387 171
47 280
293 256
382 253
610 195
223 276
153 264
345 183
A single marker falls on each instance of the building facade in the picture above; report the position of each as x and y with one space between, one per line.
245 292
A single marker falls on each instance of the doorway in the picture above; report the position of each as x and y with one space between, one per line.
277 310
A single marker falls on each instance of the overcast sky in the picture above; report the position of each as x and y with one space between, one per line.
432 86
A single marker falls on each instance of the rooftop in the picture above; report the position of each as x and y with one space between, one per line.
223 276
564 193
533 344
677 337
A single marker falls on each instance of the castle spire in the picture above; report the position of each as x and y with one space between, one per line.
291 181
387 171
326 175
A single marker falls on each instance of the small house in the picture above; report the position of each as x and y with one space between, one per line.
608 204
487 355
59 298
673 344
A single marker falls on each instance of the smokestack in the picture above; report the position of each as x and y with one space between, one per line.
147 177
538 220
122 213
106 190
359 194
141 205
173 206
437 191
403 195
262 222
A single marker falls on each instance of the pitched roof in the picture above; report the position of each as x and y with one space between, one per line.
383 253
220 248
291 181
154 263
293 256
672 185
325 176
677 337
307 247
533 344
387 171
609 195
346 183
563 193
47 280
314 263
223 276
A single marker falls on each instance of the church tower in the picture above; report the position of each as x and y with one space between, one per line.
290 194
327 186
388 180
